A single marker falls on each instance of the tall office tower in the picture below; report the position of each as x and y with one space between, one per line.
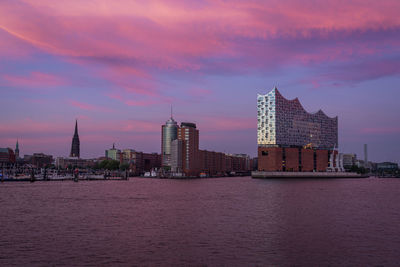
168 134
75 143
190 136
291 139
17 151
366 165
284 122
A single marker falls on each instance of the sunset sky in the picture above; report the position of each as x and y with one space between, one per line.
117 66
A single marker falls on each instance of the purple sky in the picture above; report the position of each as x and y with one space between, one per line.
117 66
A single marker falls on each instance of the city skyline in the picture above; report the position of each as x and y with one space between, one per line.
119 68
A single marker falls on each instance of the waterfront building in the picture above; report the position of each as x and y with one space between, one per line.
190 137
7 156
145 162
75 146
349 160
128 156
64 163
169 132
291 139
113 153
220 164
39 160
180 151
139 162
387 166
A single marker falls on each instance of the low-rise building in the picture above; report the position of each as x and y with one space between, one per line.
7 156
39 160
349 160
73 162
140 162
387 166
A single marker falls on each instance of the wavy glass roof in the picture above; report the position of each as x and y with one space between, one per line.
283 122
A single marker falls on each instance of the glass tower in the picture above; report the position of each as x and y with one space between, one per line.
169 133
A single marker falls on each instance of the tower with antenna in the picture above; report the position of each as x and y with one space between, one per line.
169 133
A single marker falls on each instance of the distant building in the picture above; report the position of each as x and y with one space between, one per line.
113 153
366 165
387 166
291 139
7 156
190 137
349 160
145 162
140 162
180 151
128 156
75 146
169 132
219 164
39 160
64 163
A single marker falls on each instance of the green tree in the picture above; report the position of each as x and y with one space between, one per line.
112 165
124 166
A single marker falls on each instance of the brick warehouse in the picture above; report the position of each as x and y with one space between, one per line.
293 159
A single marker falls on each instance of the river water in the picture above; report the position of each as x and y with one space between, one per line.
214 222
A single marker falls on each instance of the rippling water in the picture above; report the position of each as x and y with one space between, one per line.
224 221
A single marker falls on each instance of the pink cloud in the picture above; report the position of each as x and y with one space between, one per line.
129 42
130 100
34 80
168 34
199 92
88 107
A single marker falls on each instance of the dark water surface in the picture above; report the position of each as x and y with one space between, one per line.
224 221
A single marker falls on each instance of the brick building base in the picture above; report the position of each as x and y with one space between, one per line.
292 159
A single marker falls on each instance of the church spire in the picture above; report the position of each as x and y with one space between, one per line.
17 150
75 147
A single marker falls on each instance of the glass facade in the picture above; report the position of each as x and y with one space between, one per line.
169 133
282 122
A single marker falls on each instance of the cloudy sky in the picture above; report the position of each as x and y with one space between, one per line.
117 66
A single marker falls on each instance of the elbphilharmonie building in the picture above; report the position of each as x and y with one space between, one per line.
283 122
290 138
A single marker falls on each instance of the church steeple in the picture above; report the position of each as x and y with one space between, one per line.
76 127
17 150
75 147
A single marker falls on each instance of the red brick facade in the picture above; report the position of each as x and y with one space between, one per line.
307 160
270 159
7 155
217 163
190 137
322 160
292 159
